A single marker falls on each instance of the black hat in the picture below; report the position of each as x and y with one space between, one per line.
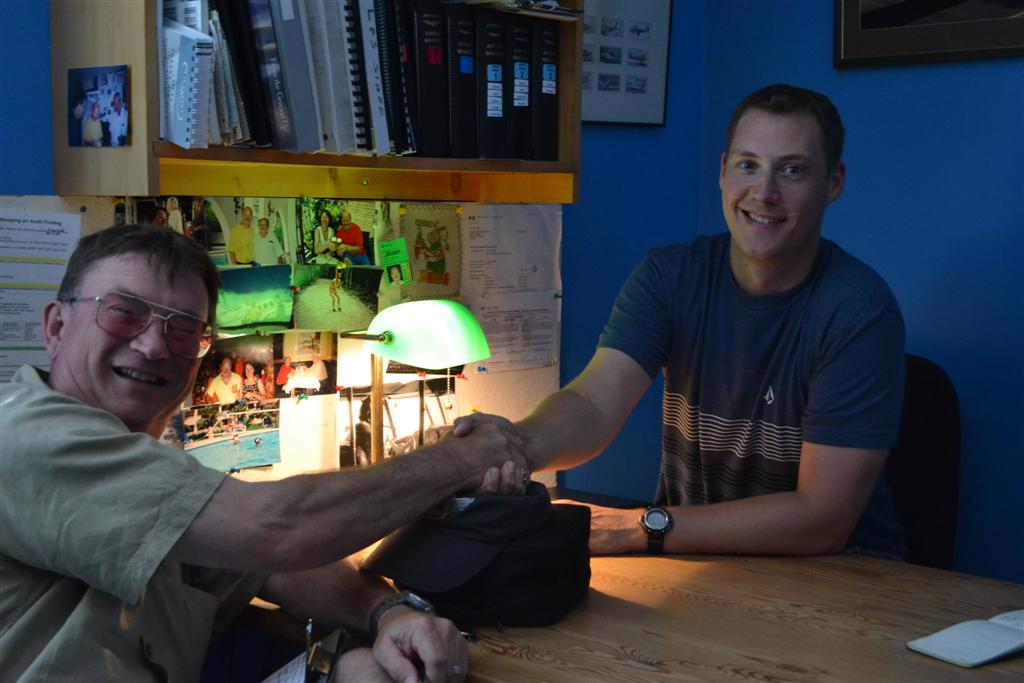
441 551
518 560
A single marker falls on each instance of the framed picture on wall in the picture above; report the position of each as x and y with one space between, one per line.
625 61
880 32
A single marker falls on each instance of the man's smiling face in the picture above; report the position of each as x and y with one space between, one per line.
138 380
775 186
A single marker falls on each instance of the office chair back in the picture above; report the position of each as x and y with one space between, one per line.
924 469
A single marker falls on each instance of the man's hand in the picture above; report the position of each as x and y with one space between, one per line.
359 665
408 641
491 434
614 531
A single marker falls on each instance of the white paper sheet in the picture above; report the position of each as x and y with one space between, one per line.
510 248
521 329
34 249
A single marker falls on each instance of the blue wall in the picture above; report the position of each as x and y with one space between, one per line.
26 165
934 201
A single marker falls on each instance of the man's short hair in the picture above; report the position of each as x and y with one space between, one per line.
163 248
789 99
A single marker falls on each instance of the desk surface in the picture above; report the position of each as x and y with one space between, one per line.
834 618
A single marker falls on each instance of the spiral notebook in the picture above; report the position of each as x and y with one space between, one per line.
188 80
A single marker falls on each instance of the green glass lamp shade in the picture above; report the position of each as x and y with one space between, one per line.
432 334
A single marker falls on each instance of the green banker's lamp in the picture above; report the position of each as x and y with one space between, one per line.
435 333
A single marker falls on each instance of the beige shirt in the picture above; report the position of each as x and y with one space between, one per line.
88 512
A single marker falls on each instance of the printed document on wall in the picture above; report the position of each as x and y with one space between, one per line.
510 248
521 329
34 249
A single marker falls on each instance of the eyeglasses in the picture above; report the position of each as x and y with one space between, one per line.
127 316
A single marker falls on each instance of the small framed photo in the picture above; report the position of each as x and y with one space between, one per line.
625 61
98 107
877 33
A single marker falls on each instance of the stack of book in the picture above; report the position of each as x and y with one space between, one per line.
377 77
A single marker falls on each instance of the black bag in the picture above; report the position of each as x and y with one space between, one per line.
508 560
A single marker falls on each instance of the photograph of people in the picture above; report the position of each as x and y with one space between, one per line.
240 240
352 244
252 387
76 116
225 387
266 250
92 133
395 275
324 241
117 118
159 217
334 291
174 219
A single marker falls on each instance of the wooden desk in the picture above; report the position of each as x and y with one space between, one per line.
834 618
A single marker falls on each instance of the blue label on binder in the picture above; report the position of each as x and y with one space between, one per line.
522 70
465 64
494 72
550 72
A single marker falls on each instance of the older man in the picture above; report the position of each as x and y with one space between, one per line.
119 557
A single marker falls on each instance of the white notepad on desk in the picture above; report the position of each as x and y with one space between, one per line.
976 642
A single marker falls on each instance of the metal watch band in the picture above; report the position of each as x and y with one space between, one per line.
407 598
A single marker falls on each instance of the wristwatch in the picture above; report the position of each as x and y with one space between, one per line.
656 521
407 598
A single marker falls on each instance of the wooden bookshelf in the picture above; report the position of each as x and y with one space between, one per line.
112 32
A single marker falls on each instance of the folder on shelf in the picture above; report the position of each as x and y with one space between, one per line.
518 103
544 90
460 60
301 97
330 71
188 64
492 117
429 97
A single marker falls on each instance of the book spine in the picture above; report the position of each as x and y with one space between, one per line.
374 78
323 73
390 75
276 103
461 68
299 91
242 49
430 99
356 76
406 73
492 118
544 89
518 104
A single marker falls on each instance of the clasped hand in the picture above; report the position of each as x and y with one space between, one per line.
411 647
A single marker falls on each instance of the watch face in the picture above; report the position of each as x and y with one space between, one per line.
656 519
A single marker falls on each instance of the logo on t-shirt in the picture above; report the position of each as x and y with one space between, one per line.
769 396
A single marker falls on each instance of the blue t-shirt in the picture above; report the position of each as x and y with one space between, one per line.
749 378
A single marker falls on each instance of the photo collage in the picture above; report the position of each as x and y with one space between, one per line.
294 273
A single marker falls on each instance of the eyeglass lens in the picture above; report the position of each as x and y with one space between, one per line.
126 316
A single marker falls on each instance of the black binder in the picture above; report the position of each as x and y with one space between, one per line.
492 117
460 58
518 102
544 90
429 96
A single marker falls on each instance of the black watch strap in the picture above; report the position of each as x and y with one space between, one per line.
655 542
